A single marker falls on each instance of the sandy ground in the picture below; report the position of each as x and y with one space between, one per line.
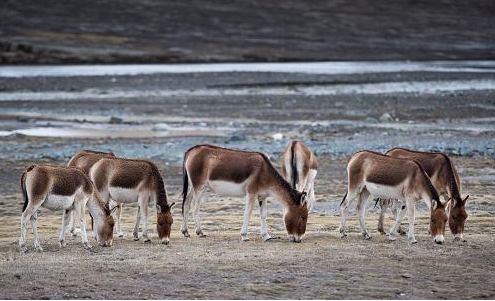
220 266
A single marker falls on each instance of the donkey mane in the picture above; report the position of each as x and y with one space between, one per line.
433 190
280 180
160 186
97 152
452 180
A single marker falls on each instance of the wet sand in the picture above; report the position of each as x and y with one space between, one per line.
459 123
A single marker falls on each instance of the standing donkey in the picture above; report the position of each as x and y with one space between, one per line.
445 178
239 174
371 173
84 160
299 168
63 188
130 181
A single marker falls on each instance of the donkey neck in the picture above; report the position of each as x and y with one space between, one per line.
283 195
95 206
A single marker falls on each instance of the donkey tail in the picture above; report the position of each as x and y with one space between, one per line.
23 187
343 199
185 184
293 164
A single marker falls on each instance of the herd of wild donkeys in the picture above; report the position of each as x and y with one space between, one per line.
103 182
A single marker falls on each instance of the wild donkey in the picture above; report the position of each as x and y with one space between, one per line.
391 178
84 160
63 188
445 178
243 174
138 181
299 168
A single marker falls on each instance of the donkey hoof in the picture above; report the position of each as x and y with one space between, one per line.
266 237
136 238
24 249
401 232
381 232
185 233
343 235
62 244
88 247
147 240
39 248
391 237
244 237
74 234
120 235
200 233
367 236
414 241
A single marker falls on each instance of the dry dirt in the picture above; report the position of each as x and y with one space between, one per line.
221 266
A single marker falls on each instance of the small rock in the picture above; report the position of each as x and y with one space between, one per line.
406 275
278 136
386 117
115 120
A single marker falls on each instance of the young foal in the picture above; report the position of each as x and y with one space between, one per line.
62 188
299 168
138 181
445 178
84 160
391 178
243 174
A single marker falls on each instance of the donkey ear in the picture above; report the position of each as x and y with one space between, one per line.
303 198
447 202
158 208
434 204
464 201
171 205
113 209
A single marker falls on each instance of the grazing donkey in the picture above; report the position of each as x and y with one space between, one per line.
445 178
243 174
130 181
63 188
371 173
84 160
299 168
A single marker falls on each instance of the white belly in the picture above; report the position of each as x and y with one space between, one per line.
384 191
224 188
124 195
59 202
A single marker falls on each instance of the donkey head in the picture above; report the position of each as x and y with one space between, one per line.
164 222
438 219
103 224
296 217
457 217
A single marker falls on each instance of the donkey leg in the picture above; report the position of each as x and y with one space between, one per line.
144 216
361 210
80 207
398 220
384 204
185 213
196 203
135 232
263 214
66 217
411 208
25 217
72 224
310 189
344 211
34 225
397 208
247 215
119 219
